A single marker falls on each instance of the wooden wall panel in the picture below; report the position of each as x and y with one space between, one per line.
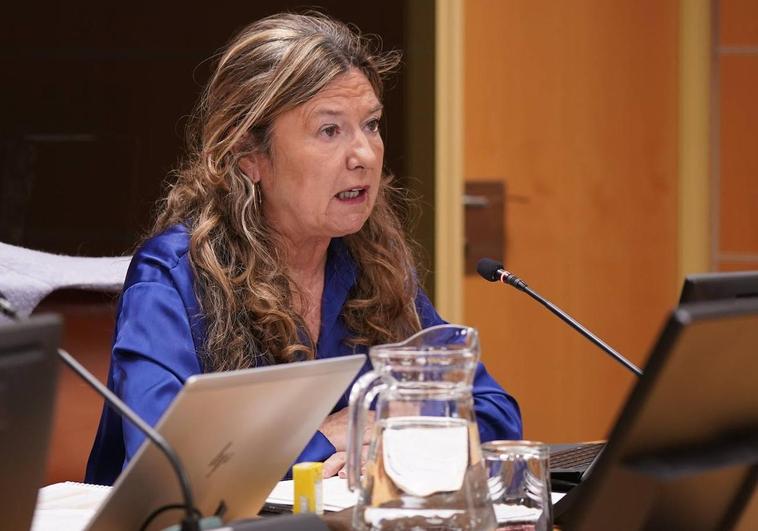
739 266
739 153
574 106
736 178
738 22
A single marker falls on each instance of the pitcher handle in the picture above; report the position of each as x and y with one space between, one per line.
362 394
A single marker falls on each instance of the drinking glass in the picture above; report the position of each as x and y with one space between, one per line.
518 477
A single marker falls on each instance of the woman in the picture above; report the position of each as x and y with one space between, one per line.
279 241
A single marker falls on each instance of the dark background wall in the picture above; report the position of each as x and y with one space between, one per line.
96 96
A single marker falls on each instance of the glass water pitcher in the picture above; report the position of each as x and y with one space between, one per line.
423 467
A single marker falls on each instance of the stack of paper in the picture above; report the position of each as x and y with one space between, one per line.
67 506
336 494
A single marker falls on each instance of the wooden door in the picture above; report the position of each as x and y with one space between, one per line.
573 105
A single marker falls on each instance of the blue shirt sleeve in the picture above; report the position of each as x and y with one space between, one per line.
497 413
153 354
319 449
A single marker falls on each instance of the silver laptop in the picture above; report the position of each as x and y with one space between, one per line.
236 434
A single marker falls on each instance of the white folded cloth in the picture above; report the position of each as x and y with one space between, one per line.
28 276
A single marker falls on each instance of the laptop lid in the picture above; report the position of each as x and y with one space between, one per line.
28 377
236 434
684 450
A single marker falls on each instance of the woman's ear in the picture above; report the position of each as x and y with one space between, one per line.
250 166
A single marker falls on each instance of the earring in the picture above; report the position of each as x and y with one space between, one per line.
257 199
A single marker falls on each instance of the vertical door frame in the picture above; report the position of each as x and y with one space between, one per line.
698 138
449 159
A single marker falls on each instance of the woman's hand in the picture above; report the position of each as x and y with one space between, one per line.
334 464
334 428
337 461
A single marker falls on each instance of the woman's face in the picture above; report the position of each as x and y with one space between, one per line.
323 173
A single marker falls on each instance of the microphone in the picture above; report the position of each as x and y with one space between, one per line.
191 522
494 271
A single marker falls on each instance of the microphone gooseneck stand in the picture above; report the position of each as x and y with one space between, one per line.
493 271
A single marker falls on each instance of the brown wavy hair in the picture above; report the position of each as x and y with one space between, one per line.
241 279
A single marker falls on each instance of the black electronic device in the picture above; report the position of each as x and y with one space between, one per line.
570 463
704 287
28 378
683 453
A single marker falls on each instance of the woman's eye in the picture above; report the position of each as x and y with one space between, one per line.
329 130
373 125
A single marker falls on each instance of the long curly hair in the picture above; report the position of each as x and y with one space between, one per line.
241 279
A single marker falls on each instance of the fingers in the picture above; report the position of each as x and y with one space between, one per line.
334 464
343 471
334 428
364 454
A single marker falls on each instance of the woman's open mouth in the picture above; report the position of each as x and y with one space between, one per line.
353 195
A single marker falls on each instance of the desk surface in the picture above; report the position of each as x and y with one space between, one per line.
69 506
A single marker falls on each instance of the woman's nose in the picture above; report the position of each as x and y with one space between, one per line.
362 154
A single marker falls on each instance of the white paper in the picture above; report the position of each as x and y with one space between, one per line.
336 494
67 506
509 513
422 461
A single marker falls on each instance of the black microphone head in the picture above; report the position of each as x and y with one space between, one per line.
488 269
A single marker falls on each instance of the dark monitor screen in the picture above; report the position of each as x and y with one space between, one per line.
706 287
28 375
683 453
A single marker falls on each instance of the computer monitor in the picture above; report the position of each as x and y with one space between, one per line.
705 287
28 375
683 453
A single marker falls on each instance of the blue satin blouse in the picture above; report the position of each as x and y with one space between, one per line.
160 329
